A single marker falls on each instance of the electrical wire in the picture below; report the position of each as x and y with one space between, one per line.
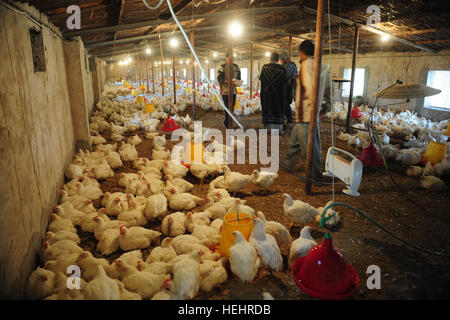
155 7
323 220
40 23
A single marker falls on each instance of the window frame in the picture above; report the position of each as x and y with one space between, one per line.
432 107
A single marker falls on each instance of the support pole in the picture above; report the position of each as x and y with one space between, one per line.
290 47
208 73
191 39
315 93
173 78
162 65
229 80
350 97
251 70
146 68
153 78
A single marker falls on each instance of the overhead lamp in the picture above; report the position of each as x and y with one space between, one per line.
129 59
267 54
148 51
120 63
206 61
215 55
173 42
385 37
234 55
235 29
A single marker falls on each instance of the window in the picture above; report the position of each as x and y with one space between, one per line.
37 49
212 76
244 75
184 73
358 84
439 79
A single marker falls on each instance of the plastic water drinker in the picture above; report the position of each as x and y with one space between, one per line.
350 172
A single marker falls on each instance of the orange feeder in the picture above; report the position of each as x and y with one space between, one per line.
193 153
231 223
435 152
140 99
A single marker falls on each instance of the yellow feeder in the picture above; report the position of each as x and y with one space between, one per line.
239 90
189 82
193 152
230 224
140 99
215 98
143 87
236 106
188 89
149 108
435 152
447 133
133 93
165 85
177 87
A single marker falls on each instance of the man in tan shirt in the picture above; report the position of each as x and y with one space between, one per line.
298 143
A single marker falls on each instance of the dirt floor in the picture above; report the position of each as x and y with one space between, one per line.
405 272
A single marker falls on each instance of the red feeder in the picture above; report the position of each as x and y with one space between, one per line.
170 125
204 95
356 113
214 86
324 274
256 95
370 156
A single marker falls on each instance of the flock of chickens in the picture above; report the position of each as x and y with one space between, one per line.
184 259
415 132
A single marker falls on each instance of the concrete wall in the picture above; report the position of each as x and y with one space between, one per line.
383 70
36 144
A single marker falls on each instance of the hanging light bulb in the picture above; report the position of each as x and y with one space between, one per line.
148 51
235 29
215 55
120 63
267 54
385 37
206 61
173 42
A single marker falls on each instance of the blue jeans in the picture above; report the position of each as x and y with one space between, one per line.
298 147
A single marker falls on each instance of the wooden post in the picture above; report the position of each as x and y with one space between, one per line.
153 78
173 77
162 66
191 39
229 80
146 68
208 73
290 47
315 93
251 70
350 97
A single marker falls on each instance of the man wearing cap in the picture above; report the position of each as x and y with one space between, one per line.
298 143
291 70
273 93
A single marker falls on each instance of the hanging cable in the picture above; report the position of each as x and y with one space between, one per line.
324 219
153 8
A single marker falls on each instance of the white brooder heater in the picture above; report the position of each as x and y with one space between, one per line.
350 172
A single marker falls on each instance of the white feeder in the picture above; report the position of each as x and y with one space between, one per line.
350 172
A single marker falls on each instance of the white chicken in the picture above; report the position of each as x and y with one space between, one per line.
243 258
156 206
183 201
263 179
212 274
235 181
114 160
414 171
52 251
276 229
186 274
109 242
409 157
88 264
199 170
332 217
60 224
53 237
101 287
298 211
136 238
204 232
134 140
40 284
193 219
301 246
174 169
128 152
174 224
163 253
432 183
266 246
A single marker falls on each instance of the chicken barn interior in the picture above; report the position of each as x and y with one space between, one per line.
100 200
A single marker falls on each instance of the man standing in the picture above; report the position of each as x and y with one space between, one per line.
273 93
298 143
222 78
291 70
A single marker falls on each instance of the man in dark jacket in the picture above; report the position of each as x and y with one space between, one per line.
222 76
273 93
291 70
